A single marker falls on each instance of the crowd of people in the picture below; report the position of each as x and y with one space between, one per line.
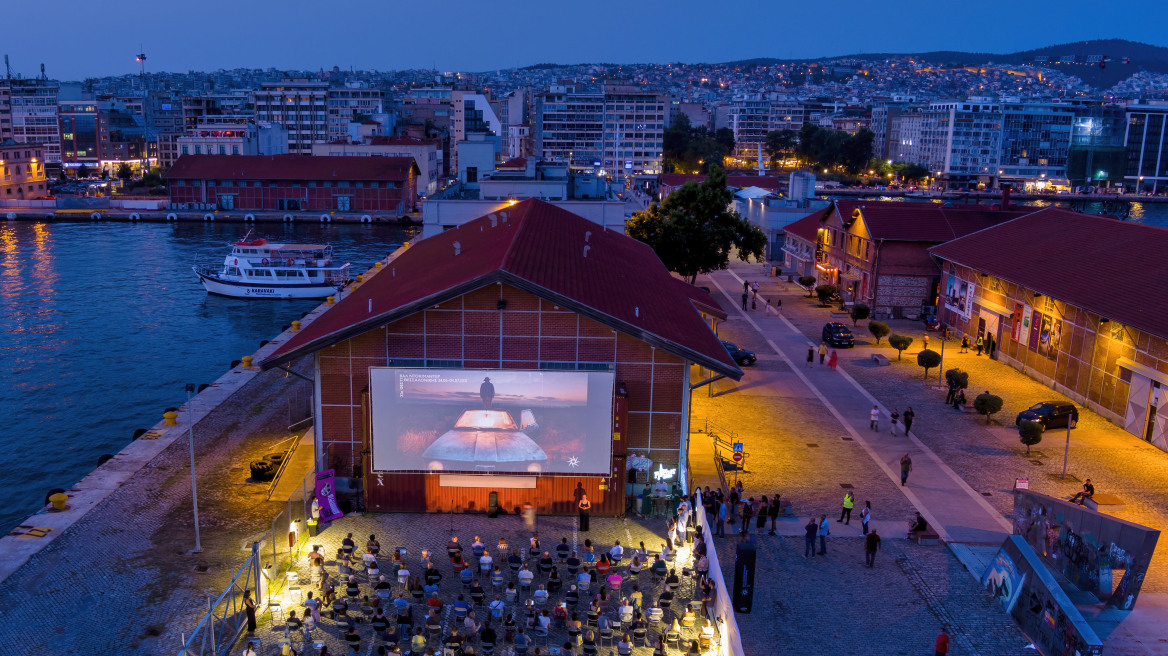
507 598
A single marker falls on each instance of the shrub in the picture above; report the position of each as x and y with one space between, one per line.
987 404
900 343
928 359
879 330
807 281
957 377
859 313
1030 432
825 292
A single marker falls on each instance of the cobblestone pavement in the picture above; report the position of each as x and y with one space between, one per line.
120 580
990 457
836 605
416 532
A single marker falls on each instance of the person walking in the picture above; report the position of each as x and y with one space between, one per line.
964 344
908 419
810 356
745 297
865 516
952 393
871 546
754 287
745 286
778 306
905 468
941 646
585 506
925 342
980 344
895 417
849 503
824 531
833 360
874 418
809 532
822 351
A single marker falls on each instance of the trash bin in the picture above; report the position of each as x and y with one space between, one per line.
313 528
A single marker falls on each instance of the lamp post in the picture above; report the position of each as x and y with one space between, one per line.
194 491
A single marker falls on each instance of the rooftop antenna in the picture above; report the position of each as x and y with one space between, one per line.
43 77
7 68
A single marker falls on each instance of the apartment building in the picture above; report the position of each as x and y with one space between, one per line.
301 106
33 107
1146 137
620 128
22 171
352 101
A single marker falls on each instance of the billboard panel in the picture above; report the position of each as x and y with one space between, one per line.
490 420
959 296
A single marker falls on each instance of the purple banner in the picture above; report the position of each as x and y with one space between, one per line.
326 496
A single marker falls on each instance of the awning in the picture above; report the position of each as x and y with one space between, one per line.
850 277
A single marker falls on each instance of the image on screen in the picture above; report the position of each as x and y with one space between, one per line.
491 421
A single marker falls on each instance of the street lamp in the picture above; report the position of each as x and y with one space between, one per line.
191 440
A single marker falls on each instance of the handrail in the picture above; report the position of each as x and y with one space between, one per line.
731 637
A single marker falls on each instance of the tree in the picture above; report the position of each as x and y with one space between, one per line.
780 143
1030 433
125 172
879 330
900 343
825 292
856 149
693 231
83 171
910 172
724 137
859 313
987 404
807 281
692 149
928 359
958 378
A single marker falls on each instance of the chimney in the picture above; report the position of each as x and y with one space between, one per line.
587 234
370 306
586 249
494 219
637 311
457 248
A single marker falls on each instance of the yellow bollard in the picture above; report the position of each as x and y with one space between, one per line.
170 418
377 264
246 360
58 500
360 278
295 326
330 300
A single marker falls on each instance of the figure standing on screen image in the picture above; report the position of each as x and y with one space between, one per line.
487 392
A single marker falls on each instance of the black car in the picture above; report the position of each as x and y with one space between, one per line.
1051 414
838 335
741 356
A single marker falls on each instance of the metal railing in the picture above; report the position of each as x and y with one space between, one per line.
226 616
730 643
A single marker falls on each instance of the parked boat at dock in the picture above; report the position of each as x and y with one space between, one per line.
256 268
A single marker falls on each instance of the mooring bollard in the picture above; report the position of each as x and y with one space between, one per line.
170 418
295 326
59 500
246 361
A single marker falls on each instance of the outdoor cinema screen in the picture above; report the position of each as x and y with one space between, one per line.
489 420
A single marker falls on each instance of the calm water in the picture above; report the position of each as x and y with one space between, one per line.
1149 213
101 325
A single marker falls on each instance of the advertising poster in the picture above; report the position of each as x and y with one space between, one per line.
1016 323
492 421
1026 319
959 296
1035 322
1050 336
326 496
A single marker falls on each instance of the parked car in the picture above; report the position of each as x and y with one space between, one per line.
1051 414
742 357
838 335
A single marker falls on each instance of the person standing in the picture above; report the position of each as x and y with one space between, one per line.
941 647
871 546
894 418
754 288
824 531
764 510
249 607
849 503
585 507
778 306
908 419
925 342
822 351
774 512
833 360
747 513
964 344
952 393
745 297
810 356
980 344
745 286
809 532
866 516
905 468
720 527
874 418
529 516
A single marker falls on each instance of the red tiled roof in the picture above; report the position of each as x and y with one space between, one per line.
514 163
740 181
807 228
290 167
923 222
1052 251
544 250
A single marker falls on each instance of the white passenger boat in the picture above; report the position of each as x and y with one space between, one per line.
256 268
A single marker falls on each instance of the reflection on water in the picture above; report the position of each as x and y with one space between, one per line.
104 323
1150 213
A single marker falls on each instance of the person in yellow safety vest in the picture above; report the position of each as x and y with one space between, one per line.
849 503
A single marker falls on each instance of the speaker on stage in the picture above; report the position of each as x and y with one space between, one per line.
493 505
743 592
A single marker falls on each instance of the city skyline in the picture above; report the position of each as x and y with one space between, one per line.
464 38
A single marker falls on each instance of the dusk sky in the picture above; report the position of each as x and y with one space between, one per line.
76 39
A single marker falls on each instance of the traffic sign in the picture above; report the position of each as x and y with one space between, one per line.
738 447
737 456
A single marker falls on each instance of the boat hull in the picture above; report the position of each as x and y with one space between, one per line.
234 289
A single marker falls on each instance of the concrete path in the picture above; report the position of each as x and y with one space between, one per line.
951 506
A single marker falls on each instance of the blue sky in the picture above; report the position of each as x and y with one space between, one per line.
79 38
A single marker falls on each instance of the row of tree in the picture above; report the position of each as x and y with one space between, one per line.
694 150
822 147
